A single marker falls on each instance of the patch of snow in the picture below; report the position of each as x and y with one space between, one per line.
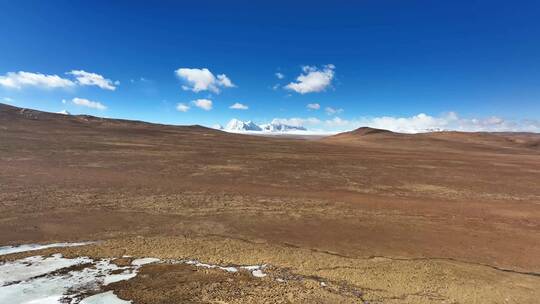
144 261
256 270
31 247
229 269
251 268
49 300
258 273
30 267
117 277
65 112
104 298
48 280
51 280
211 266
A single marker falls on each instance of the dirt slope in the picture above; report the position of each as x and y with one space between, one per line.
505 142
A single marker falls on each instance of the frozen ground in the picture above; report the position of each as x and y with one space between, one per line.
104 298
56 279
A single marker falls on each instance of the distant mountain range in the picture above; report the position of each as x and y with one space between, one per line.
275 126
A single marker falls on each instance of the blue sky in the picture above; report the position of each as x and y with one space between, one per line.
464 64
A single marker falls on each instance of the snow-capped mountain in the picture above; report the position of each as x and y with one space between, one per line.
278 126
65 112
236 125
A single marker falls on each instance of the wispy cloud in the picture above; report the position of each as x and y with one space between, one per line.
449 121
140 79
84 78
297 121
280 75
332 111
238 106
205 104
88 103
21 79
313 106
198 80
313 79
419 123
182 107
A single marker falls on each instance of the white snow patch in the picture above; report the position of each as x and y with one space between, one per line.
258 273
34 266
256 270
31 247
229 269
125 275
104 298
144 261
46 280
41 280
211 266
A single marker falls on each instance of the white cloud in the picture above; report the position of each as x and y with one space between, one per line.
420 123
280 75
313 106
332 111
297 122
337 122
7 99
238 106
182 107
140 79
424 123
313 79
205 104
198 80
92 79
18 80
88 103
224 81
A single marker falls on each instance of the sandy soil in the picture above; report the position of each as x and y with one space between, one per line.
380 217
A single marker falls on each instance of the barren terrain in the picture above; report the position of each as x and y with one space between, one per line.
376 216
